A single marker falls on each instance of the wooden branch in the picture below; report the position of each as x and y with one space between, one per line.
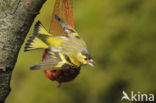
16 18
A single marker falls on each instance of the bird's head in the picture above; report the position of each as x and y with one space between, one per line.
85 58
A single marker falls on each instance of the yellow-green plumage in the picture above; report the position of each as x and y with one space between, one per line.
62 50
55 60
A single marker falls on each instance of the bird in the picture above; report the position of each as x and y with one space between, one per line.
71 49
72 33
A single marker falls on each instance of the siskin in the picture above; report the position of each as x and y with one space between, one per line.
62 50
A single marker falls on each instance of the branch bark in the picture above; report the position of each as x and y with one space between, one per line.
16 18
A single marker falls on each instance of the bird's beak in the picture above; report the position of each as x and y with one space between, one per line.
91 62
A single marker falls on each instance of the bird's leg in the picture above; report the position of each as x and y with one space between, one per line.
58 85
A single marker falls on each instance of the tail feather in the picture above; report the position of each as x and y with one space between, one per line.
28 44
36 28
34 43
40 29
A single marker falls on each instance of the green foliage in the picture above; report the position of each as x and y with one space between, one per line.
120 35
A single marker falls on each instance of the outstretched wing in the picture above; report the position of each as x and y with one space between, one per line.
67 29
53 61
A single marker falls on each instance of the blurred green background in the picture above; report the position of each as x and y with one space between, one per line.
121 36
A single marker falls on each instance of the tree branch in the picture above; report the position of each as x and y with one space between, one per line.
16 18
